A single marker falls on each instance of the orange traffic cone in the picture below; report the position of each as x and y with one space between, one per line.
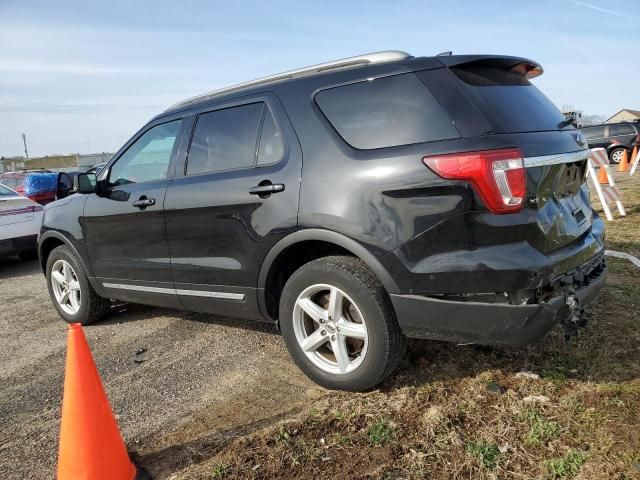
602 176
634 154
91 446
623 166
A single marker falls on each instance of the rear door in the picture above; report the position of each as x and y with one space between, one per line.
235 196
124 224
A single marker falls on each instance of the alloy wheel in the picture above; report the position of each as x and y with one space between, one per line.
330 329
66 287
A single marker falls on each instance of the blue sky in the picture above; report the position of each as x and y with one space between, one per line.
79 75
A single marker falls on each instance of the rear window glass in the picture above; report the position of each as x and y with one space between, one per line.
622 129
386 112
509 101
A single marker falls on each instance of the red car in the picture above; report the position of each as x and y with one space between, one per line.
17 181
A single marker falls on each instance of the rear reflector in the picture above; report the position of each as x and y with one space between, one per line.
498 176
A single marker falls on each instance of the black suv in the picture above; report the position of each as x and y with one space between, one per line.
355 203
614 137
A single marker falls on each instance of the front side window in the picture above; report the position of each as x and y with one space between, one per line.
148 158
4 191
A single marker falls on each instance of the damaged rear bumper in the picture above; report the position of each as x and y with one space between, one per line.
496 323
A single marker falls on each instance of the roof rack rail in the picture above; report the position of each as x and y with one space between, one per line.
366 59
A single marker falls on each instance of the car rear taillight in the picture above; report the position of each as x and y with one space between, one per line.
498 176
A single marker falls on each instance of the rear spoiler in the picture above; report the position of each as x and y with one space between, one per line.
522 66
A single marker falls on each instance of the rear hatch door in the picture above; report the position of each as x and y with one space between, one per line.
492 97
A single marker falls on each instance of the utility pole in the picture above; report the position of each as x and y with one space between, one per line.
24 140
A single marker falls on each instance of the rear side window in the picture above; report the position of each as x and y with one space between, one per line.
228 139
621 129
509 101
386 112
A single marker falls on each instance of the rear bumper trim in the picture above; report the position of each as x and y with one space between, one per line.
486 323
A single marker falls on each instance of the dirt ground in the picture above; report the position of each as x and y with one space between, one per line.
202 381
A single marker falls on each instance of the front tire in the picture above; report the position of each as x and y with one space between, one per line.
71 293
339 325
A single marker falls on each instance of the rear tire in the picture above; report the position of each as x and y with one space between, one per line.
615 155
70 290
338 324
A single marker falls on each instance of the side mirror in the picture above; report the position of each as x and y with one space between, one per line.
85 183
64 187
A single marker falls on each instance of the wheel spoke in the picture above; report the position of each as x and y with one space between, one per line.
64 298
57 277
340 352
74 299
313 341
316 312
74 285
335 304
352 329
66 271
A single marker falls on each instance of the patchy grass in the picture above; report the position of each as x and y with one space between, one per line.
567 466
380 433
487 452
436 419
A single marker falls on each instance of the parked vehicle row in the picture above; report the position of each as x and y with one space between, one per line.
616 138
354 203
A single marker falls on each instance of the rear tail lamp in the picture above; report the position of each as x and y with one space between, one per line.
498 176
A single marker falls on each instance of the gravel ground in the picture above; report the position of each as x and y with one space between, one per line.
202 381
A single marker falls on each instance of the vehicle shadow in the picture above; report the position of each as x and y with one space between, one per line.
13 267
130 312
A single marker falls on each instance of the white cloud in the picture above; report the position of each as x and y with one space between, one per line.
603 10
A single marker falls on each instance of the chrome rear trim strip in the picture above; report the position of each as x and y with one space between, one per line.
557 158
173 291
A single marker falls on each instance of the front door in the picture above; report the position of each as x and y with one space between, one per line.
236 197
124 223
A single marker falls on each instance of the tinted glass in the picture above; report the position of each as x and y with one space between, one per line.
386 112
621 129
271 146
509 101
225 139
593 132
148 158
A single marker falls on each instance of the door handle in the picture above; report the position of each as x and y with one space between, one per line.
144 202
266 188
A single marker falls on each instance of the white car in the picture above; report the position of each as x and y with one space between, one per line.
20 220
